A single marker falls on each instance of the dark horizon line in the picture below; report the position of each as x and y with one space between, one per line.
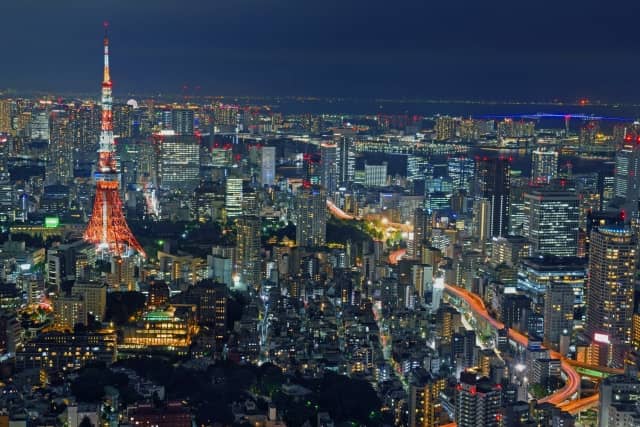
574 102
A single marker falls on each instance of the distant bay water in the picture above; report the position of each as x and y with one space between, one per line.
456 108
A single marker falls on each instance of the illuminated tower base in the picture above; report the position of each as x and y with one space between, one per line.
108 228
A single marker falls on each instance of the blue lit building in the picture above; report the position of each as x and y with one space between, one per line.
536 273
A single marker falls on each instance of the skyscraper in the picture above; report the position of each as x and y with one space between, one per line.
612 267
182 121
478 402
481 220
268 166
492 184
179 161
460 170
421 232
6 107
59 169
248 250
544 166
122 120
233 197
551 221
627 174
311 215
375 175
39 126
445 128
346 161
329 167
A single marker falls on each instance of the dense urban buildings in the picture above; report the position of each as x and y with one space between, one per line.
240 261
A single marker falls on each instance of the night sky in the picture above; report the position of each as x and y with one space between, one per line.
356 48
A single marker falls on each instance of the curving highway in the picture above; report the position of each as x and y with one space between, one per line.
395 256
476 305
561 397
337 212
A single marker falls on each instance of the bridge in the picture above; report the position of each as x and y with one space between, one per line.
567 116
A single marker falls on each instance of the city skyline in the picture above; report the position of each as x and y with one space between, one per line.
218 261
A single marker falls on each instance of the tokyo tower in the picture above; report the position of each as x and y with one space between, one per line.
107 228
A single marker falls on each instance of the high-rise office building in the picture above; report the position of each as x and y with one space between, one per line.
558 313
544 166
375 175
268 166
518 187
551 221
85 130
233 197
182 121
179 161
610 300
329 167
311 216
627 174
59 168
478 402
481 221
421 232
445 128
122 120
492 184
249 265
535 275
39 126
7 205
250 203
6 112
461 170
346 161
212 306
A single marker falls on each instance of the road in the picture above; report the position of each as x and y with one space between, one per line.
572 384
561 397
340 214
337 212
395 256
476 304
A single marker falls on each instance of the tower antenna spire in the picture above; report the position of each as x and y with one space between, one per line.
106 76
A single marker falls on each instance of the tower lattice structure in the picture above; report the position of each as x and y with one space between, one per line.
108 228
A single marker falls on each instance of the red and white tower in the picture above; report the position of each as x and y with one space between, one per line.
108 228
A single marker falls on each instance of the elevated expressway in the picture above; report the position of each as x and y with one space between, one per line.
564 396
